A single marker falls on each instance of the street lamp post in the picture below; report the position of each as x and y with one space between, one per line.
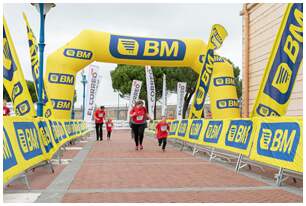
83 81
43 10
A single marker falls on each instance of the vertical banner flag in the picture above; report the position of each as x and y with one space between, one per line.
284 63
164 97
135 91
93 83
150 90
13 78
181 91
35 69
217 36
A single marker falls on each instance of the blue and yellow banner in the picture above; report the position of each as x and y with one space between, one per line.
274 141
217 36
284 63
13 78
29 141
33 48
279 142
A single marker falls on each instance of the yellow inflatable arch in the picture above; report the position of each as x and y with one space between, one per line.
89 46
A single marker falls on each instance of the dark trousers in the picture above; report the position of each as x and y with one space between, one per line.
109 134
99 131
138 130
163 142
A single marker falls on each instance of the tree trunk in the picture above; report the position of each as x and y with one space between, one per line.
187 99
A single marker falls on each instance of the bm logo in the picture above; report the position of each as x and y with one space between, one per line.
279 140
78 53
213 131
28 141
173 127
125 47
195 129
61 104
239 133
183 128
288 57
58 78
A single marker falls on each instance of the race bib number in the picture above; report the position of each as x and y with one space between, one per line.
140 117
100 115
163 128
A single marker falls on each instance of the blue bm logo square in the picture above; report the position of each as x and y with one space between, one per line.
213 131
239 133
195 129
279 140
28 141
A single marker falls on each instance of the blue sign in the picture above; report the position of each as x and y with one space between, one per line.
224 81
173 127
239 133
9 159
125 47
61 104
195 129
27 138
227 103
78 53
213 131
279 140
45 133
183 128
58 78
55 131
266 111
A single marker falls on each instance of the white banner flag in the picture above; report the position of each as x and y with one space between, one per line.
92 87
135 91
164 97
181 91
150 90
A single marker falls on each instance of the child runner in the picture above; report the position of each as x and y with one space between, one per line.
162 129
109 128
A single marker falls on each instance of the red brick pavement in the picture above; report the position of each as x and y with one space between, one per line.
116 165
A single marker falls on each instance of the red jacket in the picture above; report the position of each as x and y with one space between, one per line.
99 116
162 129
138 115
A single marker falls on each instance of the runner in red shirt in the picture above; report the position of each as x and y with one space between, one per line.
162 129
99 116
109 128
139 115
6 110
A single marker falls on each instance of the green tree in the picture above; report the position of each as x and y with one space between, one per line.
31 88
123 76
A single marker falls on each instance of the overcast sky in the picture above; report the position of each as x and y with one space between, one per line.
152 20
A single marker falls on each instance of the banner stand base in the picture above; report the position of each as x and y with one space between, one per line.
20 176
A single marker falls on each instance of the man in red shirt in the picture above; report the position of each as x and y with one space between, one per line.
162 129
99 116
6 110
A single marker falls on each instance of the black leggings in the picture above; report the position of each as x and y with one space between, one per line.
162 141
109 134
99 131
138 130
